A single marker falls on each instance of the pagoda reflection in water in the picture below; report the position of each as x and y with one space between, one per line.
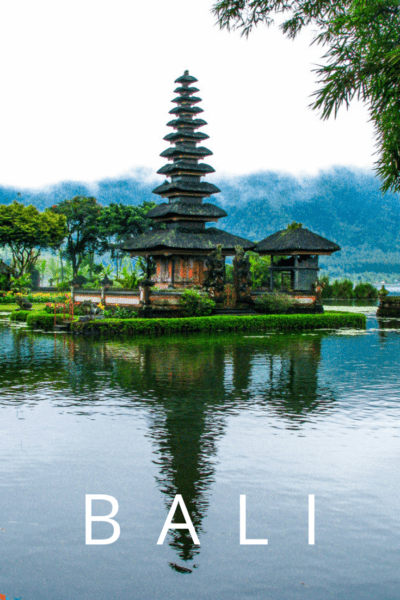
189 388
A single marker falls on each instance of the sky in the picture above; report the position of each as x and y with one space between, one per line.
87 88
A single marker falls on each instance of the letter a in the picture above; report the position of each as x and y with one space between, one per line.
106 519
243 540
186 525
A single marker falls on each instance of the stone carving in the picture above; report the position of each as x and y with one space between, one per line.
78 281
214 276
317 287
106 283
151 268
89 308
23 303
241 275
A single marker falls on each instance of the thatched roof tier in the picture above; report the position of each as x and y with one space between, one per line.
182 136
296 241
189 123
186 109
186 99
201 188
185 166
187 209
184 150
186 78
180 240
186 90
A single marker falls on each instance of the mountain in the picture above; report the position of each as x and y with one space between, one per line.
342 204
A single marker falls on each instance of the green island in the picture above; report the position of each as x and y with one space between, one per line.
157 326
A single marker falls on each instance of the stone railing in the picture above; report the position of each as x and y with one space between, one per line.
389 306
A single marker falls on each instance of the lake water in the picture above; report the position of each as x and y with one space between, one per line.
275 417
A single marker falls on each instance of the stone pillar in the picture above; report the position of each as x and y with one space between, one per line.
145 291
296 273
271 275
172 284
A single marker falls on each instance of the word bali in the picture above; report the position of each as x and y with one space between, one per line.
90 518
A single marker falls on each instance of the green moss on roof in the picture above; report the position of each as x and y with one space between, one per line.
186 90
186 78
185 165
186 209
186 98
186 108
191 123
190 136
177 239
300 239
186 186
183 149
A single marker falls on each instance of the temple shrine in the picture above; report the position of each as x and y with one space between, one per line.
294 256
179 241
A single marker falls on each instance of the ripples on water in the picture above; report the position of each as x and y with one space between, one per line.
276 417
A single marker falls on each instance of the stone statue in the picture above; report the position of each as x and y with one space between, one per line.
241 275
89 308
383 293
23 303
317 288
215 274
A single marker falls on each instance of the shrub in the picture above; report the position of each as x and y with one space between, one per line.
118 312
19 315
327 287
342 289
274 304
195 304
39 297
42 320
219 323
366 291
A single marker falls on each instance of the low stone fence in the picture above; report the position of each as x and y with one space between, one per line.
129 298
389 307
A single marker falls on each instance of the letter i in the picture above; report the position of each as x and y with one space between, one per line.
311 519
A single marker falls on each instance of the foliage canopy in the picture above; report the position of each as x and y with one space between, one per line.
26 231
362 59
83 237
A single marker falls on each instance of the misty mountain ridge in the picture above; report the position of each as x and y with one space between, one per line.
342 204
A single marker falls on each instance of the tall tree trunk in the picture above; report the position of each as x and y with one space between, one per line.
62 268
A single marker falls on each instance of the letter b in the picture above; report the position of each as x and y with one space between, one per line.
107 519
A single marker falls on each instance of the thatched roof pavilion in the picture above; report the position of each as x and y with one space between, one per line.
299 249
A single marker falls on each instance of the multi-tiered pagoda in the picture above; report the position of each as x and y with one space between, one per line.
180 250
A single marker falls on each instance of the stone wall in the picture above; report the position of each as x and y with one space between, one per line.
389 307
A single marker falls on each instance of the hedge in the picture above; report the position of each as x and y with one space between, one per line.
42 320
219 323
19 315
38 297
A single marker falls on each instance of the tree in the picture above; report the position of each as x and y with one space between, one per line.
118 221
26 231
83 236
259 269
362 59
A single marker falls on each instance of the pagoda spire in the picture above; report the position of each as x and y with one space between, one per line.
184 154
180 247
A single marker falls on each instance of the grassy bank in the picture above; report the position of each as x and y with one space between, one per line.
12 307
218 323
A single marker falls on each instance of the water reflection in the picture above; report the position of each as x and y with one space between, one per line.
188 389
